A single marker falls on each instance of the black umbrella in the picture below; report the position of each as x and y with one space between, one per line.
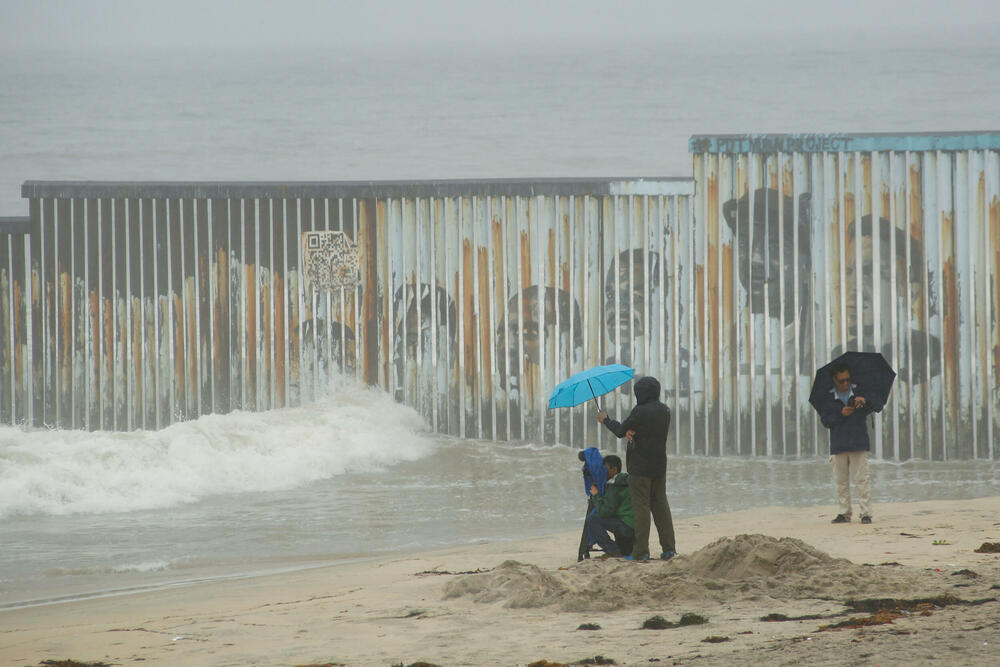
869 371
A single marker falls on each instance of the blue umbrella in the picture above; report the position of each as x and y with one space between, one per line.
589 384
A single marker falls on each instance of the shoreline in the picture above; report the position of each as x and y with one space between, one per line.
517 602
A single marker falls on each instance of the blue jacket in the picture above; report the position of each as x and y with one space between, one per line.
594 471
847 434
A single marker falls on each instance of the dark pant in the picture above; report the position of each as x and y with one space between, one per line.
649 495
599 528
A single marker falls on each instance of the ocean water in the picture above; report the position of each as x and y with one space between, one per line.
491 111
356 475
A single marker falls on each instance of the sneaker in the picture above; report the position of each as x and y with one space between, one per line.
646 557
866 519
667 555
841 518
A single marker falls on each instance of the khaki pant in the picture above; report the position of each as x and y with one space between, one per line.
649 495
848 466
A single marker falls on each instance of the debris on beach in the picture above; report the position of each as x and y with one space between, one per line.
72 663
886 610
875 605
660 623
965 573
856 622
988 548
715 639
657 623
775 618
589 626
596 660
427 572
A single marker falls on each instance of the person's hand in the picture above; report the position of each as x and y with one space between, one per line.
593 490
847 410
601 416
859 402
629 433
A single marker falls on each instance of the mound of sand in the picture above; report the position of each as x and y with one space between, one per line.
517 584
755 567
750 556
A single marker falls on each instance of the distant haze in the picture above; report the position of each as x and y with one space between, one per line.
310 23
326 90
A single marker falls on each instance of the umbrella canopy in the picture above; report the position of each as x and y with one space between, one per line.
869 370
589 384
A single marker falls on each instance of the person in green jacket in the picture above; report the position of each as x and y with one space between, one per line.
612 511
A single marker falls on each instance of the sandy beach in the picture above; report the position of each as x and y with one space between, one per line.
909 589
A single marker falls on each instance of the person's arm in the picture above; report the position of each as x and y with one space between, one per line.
607 505
620 429
833 414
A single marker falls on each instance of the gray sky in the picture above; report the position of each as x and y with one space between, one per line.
292 23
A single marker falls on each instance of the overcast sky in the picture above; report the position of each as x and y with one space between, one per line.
291 23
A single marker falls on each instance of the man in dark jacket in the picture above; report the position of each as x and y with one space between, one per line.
613 510
646 461
845 413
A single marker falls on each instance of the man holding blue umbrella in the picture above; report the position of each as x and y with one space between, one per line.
646 460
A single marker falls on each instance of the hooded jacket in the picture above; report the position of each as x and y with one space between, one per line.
646 455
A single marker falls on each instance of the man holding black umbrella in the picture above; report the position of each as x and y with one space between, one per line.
845 413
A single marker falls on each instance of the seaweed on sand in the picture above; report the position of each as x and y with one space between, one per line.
660 623
886 610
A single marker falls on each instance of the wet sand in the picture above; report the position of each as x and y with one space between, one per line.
909 589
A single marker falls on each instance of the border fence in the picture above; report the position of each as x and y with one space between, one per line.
135 305
815 244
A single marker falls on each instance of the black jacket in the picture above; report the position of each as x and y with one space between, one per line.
646 455
847 434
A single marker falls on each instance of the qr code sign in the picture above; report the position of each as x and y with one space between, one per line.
331 260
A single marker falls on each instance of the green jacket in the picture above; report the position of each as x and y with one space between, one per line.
616 501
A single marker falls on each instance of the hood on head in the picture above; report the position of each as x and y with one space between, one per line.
646 389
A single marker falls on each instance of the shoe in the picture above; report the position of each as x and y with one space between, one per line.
840 518
866 519
646 557
667 555
613 554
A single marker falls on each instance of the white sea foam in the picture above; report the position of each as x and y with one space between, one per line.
147 566
67 472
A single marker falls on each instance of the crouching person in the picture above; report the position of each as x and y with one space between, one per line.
613 522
